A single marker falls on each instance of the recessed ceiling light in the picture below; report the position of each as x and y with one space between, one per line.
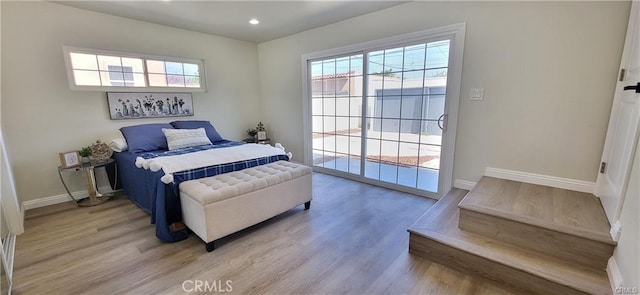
254 21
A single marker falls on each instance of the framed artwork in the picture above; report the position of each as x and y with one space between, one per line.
69 159
138 105
262 135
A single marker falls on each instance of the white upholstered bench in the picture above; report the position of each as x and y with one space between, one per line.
214 207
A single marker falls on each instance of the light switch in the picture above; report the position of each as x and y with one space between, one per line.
476 94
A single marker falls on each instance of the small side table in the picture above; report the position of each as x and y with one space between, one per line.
260 141
94 197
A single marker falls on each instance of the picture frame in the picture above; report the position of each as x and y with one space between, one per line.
69 159
140 105
262 135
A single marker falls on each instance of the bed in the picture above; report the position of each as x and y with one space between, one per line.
150 170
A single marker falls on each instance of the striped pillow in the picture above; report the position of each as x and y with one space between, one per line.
182 138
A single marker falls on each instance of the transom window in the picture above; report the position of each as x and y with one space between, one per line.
173 74
90 69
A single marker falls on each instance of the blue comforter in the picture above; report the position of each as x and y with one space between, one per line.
162 201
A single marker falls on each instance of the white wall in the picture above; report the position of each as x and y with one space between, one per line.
548 69
42 117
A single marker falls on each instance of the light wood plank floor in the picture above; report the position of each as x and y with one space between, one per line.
437 235
557 209
353 240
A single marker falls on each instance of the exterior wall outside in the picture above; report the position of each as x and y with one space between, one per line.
351 99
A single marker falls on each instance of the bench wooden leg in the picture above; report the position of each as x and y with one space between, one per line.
307 205
210 246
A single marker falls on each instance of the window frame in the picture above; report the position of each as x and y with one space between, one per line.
67 50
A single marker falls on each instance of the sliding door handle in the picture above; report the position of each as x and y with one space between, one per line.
442 122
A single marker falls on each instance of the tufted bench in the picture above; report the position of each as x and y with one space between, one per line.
214 207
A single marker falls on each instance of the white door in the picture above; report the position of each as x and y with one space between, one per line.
622 134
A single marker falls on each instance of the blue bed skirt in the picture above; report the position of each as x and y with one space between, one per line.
162 201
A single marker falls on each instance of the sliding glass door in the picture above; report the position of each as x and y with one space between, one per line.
337 101
380 115
406 90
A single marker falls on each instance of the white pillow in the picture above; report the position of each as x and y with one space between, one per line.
118 145
182 138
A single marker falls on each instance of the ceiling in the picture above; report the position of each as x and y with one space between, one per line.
231 18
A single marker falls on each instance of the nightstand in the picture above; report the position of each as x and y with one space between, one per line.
94 197
253 140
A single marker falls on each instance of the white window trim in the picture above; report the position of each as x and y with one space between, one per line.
456 33
70 78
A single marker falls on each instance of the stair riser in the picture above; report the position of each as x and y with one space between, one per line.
582 251
516 279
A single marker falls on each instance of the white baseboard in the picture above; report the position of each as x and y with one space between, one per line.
616 230
464 184
615 277
552 181
48 201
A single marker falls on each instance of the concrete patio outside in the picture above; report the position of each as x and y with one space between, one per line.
406 159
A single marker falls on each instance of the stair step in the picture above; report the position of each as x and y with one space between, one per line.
565 224
436 236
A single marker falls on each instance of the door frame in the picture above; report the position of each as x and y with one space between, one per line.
456 33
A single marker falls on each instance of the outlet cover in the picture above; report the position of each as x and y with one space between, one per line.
476 94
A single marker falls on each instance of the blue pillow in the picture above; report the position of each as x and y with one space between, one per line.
146 137
194 124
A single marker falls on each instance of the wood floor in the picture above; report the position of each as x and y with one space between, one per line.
573 225
557 209
494 251
353 240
